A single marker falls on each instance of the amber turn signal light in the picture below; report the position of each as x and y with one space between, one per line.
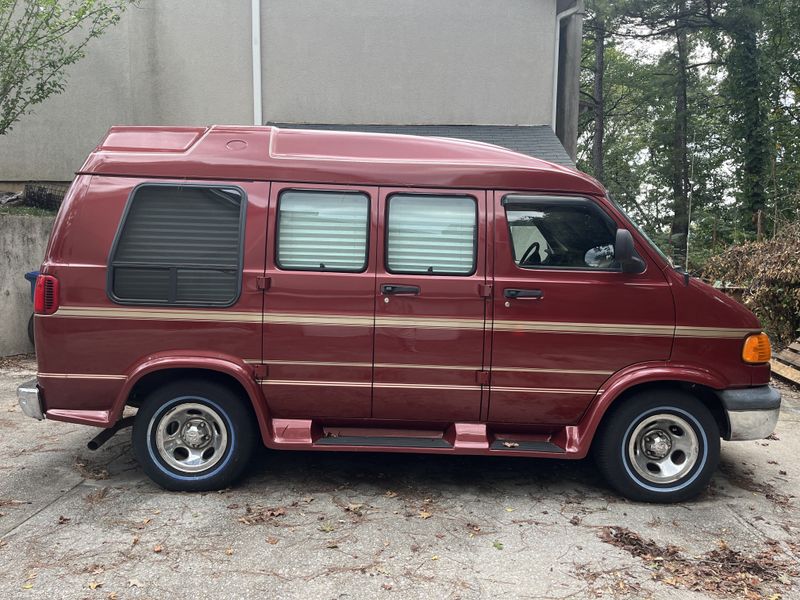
756 349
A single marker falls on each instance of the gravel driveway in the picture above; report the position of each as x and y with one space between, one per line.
81 524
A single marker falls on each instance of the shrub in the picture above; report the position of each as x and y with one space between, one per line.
768 275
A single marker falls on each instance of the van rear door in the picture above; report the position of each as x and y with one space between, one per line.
319 307
430 314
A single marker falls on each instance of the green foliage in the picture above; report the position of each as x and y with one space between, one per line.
39 39
742 132
768 275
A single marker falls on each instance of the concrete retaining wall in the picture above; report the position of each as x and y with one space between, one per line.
22 244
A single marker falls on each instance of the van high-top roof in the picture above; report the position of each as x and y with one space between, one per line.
334 157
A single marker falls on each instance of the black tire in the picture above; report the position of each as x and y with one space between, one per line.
637 474
206 407
30 331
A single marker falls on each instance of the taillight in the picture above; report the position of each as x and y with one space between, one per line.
756 349
45 296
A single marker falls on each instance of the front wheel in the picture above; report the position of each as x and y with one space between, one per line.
658 446
194 436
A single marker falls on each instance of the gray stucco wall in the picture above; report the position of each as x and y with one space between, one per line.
23 240
188 62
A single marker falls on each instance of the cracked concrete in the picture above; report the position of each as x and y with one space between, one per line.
361 525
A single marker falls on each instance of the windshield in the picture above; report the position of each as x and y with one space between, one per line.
653 245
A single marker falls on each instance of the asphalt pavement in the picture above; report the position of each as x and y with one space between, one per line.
82 524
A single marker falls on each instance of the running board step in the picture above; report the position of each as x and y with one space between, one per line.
526 446
387 441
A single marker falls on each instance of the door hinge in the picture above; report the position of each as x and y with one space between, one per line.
260 371
482 377
485 290
263 282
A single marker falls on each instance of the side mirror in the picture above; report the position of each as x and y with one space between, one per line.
624 253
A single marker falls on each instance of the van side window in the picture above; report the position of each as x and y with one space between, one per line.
179 245
322 231
431 235
559 233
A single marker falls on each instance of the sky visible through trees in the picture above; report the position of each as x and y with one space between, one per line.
689 116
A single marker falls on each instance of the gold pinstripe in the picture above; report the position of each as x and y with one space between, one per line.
80 376
295 382
153 314
311 363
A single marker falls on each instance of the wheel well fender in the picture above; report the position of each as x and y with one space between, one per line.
700 383
157 370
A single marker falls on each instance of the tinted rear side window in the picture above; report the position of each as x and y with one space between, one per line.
179 245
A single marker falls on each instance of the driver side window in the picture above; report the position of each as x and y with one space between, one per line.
556 233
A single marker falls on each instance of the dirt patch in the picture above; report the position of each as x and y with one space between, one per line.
17 361
745 481
89 470
722 572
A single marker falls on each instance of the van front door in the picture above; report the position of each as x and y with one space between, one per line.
319 307
430 314
565 319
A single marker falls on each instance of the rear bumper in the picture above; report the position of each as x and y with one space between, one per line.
752 412
30 400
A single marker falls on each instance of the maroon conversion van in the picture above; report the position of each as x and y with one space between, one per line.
346 291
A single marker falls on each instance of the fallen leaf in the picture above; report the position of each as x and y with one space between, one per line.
424 514
135 540
259 514
497 545
327 527
272 540
27 586
509 509
93 585
435 557
390 494
229 551
576 520
158 548
112 596
356 509
331 545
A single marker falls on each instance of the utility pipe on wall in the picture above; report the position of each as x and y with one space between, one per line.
256 43
556 55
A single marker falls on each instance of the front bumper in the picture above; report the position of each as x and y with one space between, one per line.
752 412
30 400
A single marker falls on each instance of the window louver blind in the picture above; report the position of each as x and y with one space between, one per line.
431 234
180 245
323 231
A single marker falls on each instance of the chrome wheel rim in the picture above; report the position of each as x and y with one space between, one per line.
191 437
663 448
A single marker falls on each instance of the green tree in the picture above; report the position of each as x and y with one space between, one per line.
39 39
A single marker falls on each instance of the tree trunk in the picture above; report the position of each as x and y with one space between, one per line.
680 162
747 90
599 100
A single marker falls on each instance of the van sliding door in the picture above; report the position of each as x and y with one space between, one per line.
430 309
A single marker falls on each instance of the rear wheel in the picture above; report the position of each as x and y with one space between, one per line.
658 446
194 435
